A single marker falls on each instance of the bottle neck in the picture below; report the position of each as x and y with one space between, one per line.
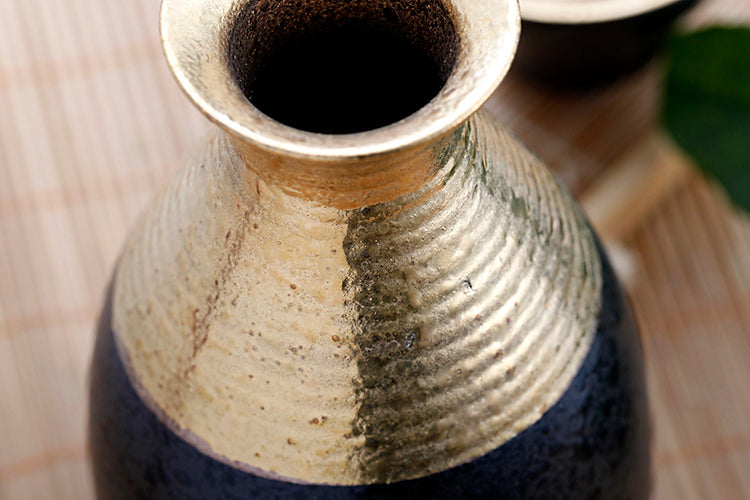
348 183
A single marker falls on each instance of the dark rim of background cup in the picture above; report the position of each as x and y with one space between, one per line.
591 50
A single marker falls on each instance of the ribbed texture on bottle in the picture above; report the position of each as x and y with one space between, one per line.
389 342
475 308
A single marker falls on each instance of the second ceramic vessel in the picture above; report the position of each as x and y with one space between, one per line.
580 43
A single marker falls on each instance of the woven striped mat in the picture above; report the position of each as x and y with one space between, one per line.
92 125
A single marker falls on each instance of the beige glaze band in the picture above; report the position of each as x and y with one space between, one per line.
352 346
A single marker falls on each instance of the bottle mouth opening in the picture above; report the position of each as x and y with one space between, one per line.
342 67
337 79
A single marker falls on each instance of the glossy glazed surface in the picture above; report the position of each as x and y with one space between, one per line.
420 332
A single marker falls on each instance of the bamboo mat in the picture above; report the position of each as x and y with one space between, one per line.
92 125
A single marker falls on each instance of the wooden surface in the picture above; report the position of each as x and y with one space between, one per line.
92 124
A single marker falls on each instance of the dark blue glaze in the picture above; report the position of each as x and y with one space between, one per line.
592 444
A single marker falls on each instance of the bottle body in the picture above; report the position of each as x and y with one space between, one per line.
485 347
592 444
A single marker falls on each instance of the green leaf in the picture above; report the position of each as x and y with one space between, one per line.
707 104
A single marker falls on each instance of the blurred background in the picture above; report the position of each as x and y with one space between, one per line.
92 125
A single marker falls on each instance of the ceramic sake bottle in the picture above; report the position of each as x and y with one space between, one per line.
359 286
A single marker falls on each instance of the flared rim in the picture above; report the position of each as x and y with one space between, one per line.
193 37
